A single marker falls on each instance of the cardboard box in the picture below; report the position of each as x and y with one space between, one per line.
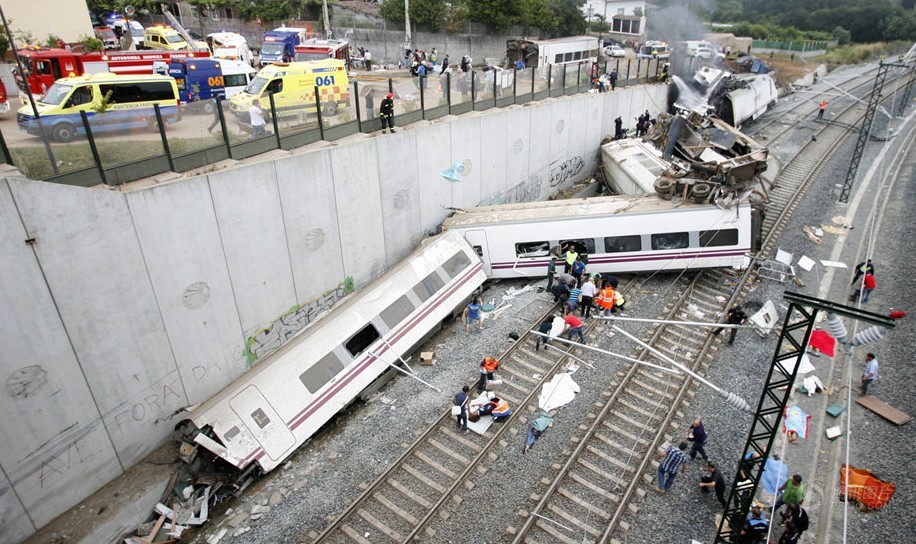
427 358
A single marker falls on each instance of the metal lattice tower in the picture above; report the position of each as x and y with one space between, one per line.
796 332
865 130
905 99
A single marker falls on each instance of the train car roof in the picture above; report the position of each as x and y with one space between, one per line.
564 209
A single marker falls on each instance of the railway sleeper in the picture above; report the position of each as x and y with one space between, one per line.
572 496
435 465
604 455
573 520
614 443
652 376
623 432
545 359
514 373
397 510
591 486
554 531
653 416
403 490
377 523
652 390
354 534
450 452
416 474
684 337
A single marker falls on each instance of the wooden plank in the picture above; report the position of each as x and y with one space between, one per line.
884 410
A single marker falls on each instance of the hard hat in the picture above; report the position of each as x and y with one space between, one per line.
389 95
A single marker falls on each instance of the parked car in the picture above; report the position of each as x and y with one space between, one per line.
136 31
108 37
4 103
708 54
614 51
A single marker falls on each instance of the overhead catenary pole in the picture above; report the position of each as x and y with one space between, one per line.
327 21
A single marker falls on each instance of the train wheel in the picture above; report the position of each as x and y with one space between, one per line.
700 192
664 188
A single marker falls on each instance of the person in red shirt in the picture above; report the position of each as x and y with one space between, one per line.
868 285
821 108
573 326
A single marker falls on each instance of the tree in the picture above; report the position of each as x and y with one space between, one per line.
499 13
900 27
841 35
570 19
537 14
427 13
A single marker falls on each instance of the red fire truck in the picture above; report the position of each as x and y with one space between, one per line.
318 49
45 65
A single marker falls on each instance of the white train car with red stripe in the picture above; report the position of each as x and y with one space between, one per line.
260 419
629 233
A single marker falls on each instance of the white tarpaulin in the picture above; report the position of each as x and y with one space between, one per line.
560 390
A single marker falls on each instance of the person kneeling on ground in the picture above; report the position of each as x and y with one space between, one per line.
545 328
497 407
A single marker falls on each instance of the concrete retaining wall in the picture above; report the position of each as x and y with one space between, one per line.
120 308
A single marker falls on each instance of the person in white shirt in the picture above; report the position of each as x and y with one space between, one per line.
367 60
256 117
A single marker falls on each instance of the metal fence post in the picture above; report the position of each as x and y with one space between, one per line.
448 91
564 79
532 83
628 71
6 151
549 78
638 66
93 148
318 111
223 128
515 85
390 86
165 141
422 81
473 91
273 117
579 77
359 119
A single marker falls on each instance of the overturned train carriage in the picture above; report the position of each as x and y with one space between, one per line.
261 418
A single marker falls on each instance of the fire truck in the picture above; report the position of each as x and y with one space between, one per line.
318 49
43 66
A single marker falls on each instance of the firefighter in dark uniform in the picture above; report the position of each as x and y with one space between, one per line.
386 113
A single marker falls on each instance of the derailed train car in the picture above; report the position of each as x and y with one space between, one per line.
264 416
632 233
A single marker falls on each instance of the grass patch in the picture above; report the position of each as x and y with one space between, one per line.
860 53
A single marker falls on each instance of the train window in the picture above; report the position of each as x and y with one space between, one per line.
622 244
456 265
532 249
670 240
558 59
397 312
578 55
321 372
567 57
260 418
361 341
586 245
711 238
429 286
479 251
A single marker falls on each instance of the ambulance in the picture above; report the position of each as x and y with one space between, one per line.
165 38
293 87
112 103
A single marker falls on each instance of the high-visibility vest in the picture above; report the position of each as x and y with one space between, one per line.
606 298
571 257
501 408
490 364
619 298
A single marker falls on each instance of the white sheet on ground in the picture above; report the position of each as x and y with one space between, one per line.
481 425
560 390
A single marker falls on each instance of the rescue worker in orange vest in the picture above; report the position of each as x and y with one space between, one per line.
487 367
607 299
497 407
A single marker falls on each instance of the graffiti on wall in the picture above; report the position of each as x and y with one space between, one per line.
566 170
525 191
269 339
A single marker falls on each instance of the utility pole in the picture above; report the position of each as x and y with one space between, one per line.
327 21
407 39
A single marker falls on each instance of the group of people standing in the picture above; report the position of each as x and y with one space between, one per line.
603 80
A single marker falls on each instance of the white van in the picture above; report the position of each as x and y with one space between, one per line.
229 45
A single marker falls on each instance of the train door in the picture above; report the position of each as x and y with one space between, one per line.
478 240
263 422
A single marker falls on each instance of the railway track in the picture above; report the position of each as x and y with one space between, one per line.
401 503
591 494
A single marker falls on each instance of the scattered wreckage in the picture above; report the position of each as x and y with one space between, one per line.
689 157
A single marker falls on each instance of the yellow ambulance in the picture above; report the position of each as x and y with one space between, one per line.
166 38
293 87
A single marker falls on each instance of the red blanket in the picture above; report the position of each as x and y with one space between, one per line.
823 342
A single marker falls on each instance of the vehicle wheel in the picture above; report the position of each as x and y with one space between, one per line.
330 109
209 107
700 192
664 188
152 125
63 132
